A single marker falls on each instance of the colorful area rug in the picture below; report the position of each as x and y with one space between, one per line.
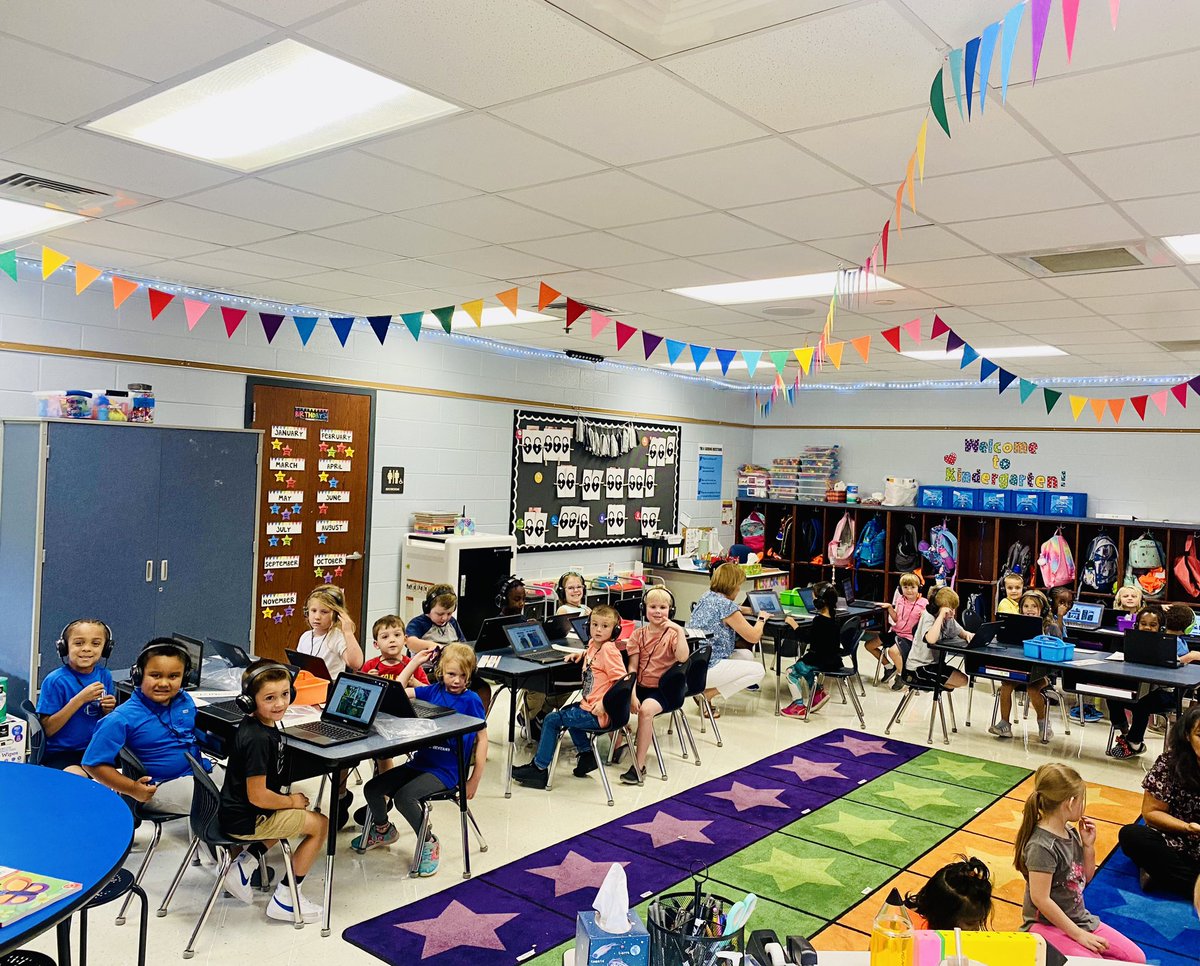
819 832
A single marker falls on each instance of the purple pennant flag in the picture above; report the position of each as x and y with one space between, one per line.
954 341
1008 43
725 356
305 325
650 342
987 49
1041 14
986 368
341 328
1006 379
1194 382
969 62
270 324
380 324
699 354
675 350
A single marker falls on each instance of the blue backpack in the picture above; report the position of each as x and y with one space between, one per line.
942 552
872 544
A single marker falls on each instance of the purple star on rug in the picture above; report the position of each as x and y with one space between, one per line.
805 769
746 796
458 926
862 746
666 828
575 872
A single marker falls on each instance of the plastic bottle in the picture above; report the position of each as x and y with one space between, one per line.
892 934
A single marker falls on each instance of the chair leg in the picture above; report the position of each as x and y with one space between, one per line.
320 796
293 888
683 752
264 874
662 768
862 721
706 709
970 699
141 872
554 761
904 699
942 713
933 710
841 689
996 708
223 863
368 818
422 835
687 730
950 703
357 775
483 847
603 771
1062 709
143 924
187 858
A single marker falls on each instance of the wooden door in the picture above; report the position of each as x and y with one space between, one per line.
314 505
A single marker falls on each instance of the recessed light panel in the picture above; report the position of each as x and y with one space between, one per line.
1187 247
18 220
1008 352
820 285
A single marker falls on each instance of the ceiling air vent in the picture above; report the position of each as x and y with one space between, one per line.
92 201
1090 261
1180 345
561 306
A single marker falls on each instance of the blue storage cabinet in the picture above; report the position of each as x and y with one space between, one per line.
152 529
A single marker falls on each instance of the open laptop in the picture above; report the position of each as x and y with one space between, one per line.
806 600
530 643
236 656
1015 629
765 601
1151 647
397 703
558 629
195 650
986 635
582 629
354 701
1084 616
308 662
491 632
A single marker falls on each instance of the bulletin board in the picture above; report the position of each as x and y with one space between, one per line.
582 481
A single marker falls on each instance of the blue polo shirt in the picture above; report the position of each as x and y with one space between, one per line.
158 734
60 686
442 760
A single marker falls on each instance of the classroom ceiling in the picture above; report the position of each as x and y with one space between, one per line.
618 150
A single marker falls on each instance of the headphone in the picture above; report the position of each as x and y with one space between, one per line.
505 588
434 592
159 647
560 589
670 612
246 701
61 643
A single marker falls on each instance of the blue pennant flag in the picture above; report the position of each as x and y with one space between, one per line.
969 62
1006 379
751 356
725 356
341 328
969 356
987 48
986 368
380 325
1027 389
956 73
675 350
1008 43
305 326
699 354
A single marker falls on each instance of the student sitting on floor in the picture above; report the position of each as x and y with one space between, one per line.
603 666
937 624
1033 604
824 653
958 896
77 695
1014 587
903 613
254 807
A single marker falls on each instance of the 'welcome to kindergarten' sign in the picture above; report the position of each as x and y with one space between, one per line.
1002 472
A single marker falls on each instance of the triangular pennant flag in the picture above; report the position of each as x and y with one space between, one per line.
862 345
270 323
791 395
1160 400
937 101
1139 405
508 298
474 309
122 289
969 355
232 319
892 337
1040 14
546 295
444 315
725 356
908 182
987 50
1194 382
84 276
1077 404
158 301
804 357
599 322
674 350
986 368
305 324
913 329
954 341
1070 10
412 322
341 328
1116 407
833 352
52 261
899 206
575 310
970 59
194 309
381 325
922 135
650 342
956 70
1114 8
1051 398
1027 389
1008 43
1006 379
752 357
940 328
887 227
1099 407
8 265
1180 394
699 354
780 359
624 334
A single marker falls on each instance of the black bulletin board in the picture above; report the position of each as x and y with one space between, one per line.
597 507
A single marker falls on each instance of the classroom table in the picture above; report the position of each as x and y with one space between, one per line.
38 806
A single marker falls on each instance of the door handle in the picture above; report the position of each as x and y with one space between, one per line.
354 556
162 570
149 571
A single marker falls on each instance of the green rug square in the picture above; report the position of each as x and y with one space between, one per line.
870 832
983 776
932 801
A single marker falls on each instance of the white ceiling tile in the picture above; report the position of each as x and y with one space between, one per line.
777 261
1028 290
492 218
38 81
581 285
368 181
18 128
252 263
319 251
1082 341
1147 302
700 234
920 244
501 49
1023 311
1012 190
482 151
1130 282
498 262
825 216
652 302
353 284
200 276
132 239
888 57
1175 215
99 255
1052 329
606 200
398 236
954 271
671 273
1146 320
282 12
1042 231
1143 170
190 222
290 292
420 299
636 116
593 249
415 273
276 205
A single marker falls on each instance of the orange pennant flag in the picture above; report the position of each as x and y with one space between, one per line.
921 148
52 261
508 299
1077 404
908 182
1116 406
833 351
475 310
122 289
84 276
805 358
1099 407
862 345
899 205
546 295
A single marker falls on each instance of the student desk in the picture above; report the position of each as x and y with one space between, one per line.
40 804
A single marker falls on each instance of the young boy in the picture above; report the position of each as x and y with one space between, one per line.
936 624
389 635
602 668
75 696
437 624
1014 586
158 724
254 807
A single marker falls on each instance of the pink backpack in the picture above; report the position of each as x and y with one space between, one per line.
1056 563
841 547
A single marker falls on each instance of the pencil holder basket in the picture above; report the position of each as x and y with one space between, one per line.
670 947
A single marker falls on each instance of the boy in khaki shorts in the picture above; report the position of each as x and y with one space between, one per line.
253 805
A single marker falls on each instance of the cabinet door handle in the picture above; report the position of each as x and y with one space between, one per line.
149 571
162 570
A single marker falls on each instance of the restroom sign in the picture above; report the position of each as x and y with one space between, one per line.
391 479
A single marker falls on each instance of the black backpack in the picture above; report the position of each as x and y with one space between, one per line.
1019 560
908 557
808 540
974 613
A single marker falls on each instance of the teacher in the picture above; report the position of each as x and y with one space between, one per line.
1167 848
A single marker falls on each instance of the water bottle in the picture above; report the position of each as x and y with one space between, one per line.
892 934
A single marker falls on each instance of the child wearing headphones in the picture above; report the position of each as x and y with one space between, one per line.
824 653
331 631
1033 604
430 770
254 807
510 596
75 696
158 724
436 623
571 591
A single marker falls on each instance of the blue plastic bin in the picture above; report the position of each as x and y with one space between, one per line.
1066 504
964 498
994 501
1047 648
1028 501
934 497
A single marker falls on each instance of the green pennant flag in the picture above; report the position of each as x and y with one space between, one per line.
444 315
412 321
780 358
1027 389
1052 397
8 264
937 101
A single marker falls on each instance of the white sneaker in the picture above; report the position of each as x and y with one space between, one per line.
280 907
237 879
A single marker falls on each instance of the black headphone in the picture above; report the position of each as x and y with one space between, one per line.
246 701
159 647
505 588
61 643
616 631
670 612
434 592
560 589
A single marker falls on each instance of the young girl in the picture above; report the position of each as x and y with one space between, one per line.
510 597
1128 599
430 770
331 634
75 696
824 653
651 650
903 613
1033 604
1014 586
959 896
1057 861
572 594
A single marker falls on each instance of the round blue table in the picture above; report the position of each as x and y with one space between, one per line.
63 826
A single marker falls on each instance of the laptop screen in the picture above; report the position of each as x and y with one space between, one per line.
848 590
580 626
1085 615
354 700
526 637
764 600
806 598
195 649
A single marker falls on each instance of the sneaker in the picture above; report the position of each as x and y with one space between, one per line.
531 779
1092 713
1001 729
431 857
237 879
377 835
280 907
795 710
820 698
754 687
527 769
586 764
631 777
898 684
1048 733
1122 748
887 674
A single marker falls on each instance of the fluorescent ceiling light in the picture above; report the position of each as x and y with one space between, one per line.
279 103
495 315
19 220
773 289
1009 352
1186 247
709 366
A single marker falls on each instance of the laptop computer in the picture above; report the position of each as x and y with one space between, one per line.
397 703
491 632
354 701
308 662
1150 647
558 629
1015 629
195 649
530 643
765 601
986 635
1084 616
806 600
582 629
236 656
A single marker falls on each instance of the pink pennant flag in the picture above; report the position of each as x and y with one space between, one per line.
1114 8
232 318
1160 401
599 322
624 334
913 329
940 328
1180 393
1070 10
194 309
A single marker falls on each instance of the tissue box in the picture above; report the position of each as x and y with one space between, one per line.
595 947
12 739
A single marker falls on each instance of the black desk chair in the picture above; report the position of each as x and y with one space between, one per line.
851 634
936 709
672 690
36 735
26 957
616 706
448 795
121 884
697 683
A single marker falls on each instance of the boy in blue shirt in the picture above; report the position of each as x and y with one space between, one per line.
75 696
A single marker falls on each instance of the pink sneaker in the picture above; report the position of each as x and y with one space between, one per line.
819 699
796 710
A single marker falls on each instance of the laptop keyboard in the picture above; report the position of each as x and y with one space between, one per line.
327 730
427 711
